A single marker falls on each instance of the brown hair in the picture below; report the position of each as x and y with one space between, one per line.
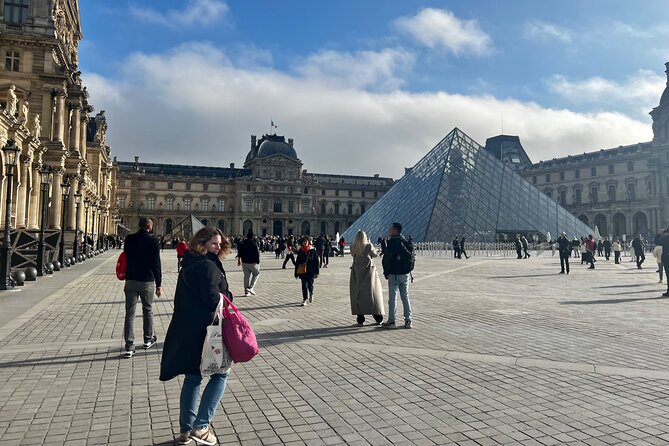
201 237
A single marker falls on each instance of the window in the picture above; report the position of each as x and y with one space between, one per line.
248 188
612 169
322 208
337 193
593 171
577 196
548 177
323 192
593 195
612 192
121 183
376 195
187 203
362 194
16 11
350 193
265 205
561 176
169 203
151 203
350 208
152 184
204 204
563 197
291 206
278 175
577 173
12 60
336 209
170 185
630 166
549 193
534 179
278 206
306 190
221 204
187 186
248 204
121 201
631 191
205 187
363 208
305 206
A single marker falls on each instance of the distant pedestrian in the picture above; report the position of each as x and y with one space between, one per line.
143 271
327 251
463 252
600 248
290 252
638 247
525 244
197 295
456 248
617 247
307 269
248 256
657 253
576 247
591 247
607 248
663 240
342 246
397 267
319 244
181 249
564 247
519 246
365 285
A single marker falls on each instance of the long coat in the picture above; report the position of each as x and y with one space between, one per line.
199 285
365 285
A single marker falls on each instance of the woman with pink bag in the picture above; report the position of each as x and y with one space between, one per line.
199 286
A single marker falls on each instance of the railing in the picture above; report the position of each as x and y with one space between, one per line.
489 249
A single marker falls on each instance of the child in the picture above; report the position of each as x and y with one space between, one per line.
306 268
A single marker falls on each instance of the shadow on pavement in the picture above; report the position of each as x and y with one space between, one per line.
284 337
112 354
610 301
519 276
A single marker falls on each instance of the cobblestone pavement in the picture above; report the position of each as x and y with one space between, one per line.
503 351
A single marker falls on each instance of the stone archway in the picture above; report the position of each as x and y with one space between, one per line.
619 225
169 225
639 222
584 219
600 222
306 228
221 225
247 226
277 228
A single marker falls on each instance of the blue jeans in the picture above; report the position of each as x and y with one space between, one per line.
211 396
398 282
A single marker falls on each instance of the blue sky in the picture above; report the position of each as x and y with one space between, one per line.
370 86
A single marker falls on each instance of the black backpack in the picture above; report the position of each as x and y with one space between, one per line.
406 258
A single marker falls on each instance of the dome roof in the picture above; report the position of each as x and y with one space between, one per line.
275 145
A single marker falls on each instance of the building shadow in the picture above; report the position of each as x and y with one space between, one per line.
610 301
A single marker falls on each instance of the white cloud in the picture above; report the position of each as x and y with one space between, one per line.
380 70
641 91
439 28
196 12
539 30
192 105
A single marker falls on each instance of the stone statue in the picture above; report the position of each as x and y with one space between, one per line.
25 111
101 127
37 127
12 101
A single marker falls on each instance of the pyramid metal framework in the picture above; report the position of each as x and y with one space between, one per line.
459 189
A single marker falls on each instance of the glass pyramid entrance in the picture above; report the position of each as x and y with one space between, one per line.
460 190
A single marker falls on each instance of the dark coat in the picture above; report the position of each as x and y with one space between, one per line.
564 245
200 282
311 259
142 252
248 251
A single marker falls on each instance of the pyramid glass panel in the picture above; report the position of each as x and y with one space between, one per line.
460 189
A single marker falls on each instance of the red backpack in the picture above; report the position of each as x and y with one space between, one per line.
120 266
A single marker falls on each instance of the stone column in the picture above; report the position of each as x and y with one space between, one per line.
22 191
75 122
71 205
35 198
59 119
83 126
56 198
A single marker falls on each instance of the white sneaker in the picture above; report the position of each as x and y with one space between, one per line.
246 293
251 291
304 303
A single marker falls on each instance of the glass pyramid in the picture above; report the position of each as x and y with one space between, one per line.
460 190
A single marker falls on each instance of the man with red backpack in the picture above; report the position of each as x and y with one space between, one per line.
398 262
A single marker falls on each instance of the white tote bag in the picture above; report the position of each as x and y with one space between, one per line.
215 357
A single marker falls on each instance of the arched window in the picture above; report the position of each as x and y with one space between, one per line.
278 206
221 225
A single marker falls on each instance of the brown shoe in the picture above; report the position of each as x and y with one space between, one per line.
204 436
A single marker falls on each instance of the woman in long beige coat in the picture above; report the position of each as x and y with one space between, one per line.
365 284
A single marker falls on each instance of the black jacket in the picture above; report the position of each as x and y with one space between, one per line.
200 281
638 246
320 243
564 245
142 252
390 254
311 259
248 251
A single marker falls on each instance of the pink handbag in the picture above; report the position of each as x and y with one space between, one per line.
238 336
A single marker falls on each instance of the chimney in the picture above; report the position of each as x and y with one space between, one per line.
136 166
290 142
253 142
232 165
136 159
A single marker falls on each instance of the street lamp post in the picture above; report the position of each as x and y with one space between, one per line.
87 204
97 240
46 176
93 212
11 156
65 187
75 244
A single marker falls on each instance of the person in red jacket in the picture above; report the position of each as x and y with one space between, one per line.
342 245
182 247
591 246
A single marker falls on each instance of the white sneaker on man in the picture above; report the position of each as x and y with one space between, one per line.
251 291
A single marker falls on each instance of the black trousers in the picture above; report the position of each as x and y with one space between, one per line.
519 252
665 264
640 258
377 317
616 256
564 261
607 254
290 257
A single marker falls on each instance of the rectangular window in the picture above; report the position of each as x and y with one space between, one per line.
12 61
323 192
548 177
169 203
612 169
577 196
612 192
248 204
205 187
305 206
170 185
336 209
248 188
337 193
278 206
16 11
534 179
363 208
594 194
221 205
362 194
561 176
593 171
151 203
350 193
350 209
630 166
577 173
291 206
631 191
265 206
322 208
204 204
563 197
152 184
187 203
121 201
187 186
306 190
376 195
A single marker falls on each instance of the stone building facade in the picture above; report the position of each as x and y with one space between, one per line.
272 194
623 191
45 110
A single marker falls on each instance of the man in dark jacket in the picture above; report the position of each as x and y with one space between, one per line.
143 270
564 246
663 240
638 251
607 248
397 274
320 248
248 256
519 246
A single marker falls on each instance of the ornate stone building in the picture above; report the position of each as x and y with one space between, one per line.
45 109
271 194
622 190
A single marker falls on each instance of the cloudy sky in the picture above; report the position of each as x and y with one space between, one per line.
370 86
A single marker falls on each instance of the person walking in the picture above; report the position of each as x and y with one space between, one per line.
657 253
199 286
463 252
523 240
342 246
181 249
248 256
456 248
519 246
327 251
576 247
143 278
564 247
290 252
397 266
307 269
591 247
365 285
617 247
607 248
320 248
638 247
663 240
